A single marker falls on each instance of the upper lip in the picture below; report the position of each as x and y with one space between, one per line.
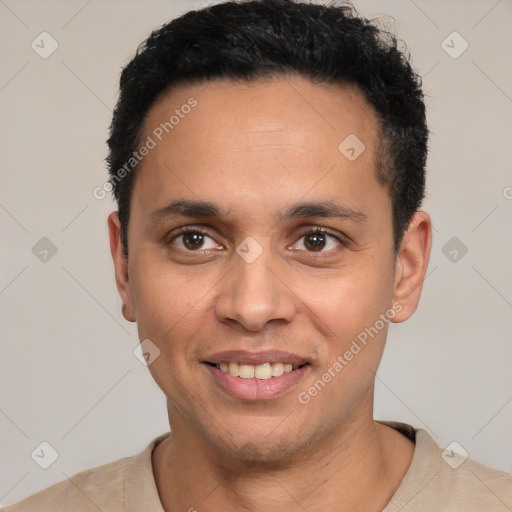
255 358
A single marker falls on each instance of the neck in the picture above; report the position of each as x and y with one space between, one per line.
360 466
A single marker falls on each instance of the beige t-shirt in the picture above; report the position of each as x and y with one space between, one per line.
430 484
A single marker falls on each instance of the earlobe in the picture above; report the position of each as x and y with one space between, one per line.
120 266
411 265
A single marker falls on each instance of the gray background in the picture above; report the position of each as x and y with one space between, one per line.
68 373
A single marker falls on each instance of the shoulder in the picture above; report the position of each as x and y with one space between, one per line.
100 488
84 491
444 479
474 485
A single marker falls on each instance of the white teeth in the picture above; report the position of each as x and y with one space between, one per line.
233 369
263 371
277 369
246 371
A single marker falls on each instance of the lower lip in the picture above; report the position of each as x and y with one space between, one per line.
257 389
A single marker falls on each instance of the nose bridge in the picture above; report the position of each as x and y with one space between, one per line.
254 293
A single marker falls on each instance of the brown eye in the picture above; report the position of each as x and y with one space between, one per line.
193 240
315 241
318 239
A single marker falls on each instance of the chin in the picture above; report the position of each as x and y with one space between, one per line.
263 448
261 452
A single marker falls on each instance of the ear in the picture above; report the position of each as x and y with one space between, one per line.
120 266
411 265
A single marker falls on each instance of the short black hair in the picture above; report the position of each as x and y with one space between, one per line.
255 39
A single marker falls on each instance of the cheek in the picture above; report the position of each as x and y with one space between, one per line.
349 301
165 301
170 311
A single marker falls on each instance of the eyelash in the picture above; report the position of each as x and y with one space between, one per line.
204 232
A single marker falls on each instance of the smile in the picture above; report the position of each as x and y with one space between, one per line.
256 383
263 371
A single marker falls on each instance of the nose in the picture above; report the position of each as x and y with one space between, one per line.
255 293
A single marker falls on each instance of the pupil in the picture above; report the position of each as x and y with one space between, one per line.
197 240
316 241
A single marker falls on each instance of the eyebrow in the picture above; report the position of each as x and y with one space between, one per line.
205 209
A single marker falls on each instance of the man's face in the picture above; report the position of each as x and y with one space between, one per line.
256 282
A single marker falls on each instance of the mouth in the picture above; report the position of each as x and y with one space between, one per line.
256 377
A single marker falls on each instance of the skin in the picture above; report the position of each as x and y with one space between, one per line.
254 149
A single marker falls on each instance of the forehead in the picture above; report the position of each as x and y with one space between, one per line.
256 138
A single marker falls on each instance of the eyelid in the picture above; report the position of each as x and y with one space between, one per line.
341 237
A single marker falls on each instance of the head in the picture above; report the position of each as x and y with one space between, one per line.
261 121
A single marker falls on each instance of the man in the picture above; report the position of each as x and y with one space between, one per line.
268 159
